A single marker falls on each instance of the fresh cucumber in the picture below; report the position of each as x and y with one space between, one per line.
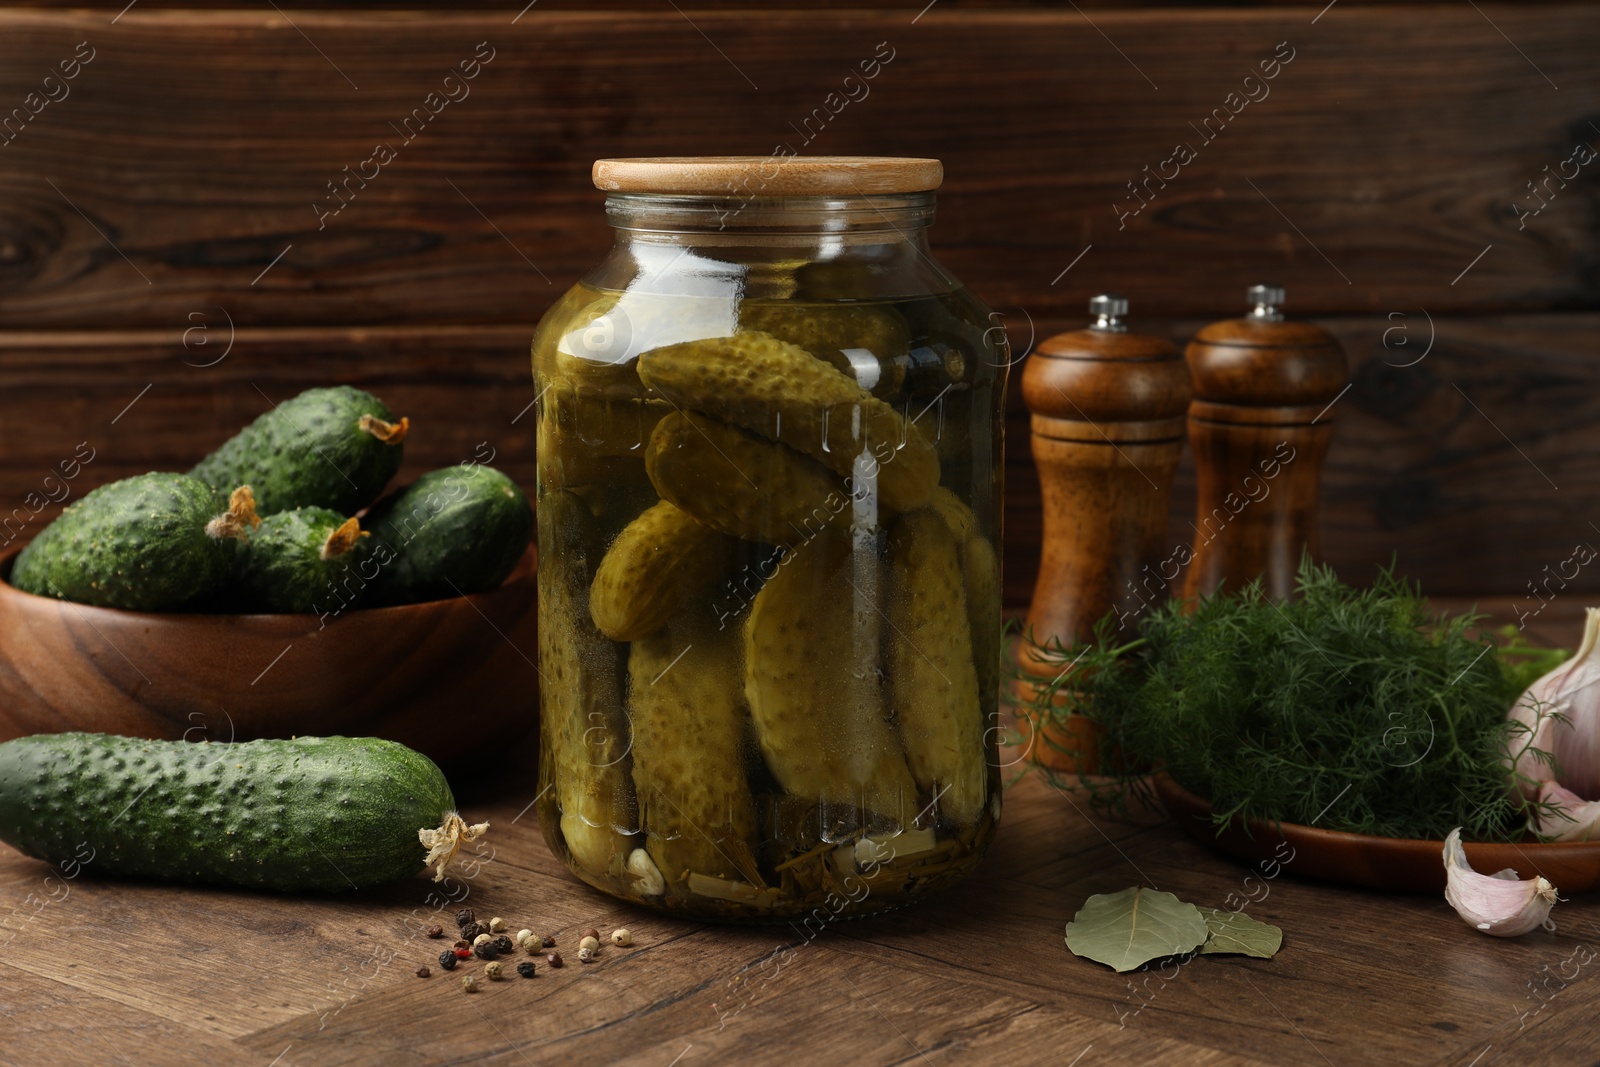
148 543
330 448
314 813
293 557
452 531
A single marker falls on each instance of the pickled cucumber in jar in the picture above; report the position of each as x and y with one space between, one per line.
769 588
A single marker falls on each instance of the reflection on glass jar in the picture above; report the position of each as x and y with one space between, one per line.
769 587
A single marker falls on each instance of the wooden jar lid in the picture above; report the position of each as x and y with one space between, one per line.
1263 360
1079 385
751 176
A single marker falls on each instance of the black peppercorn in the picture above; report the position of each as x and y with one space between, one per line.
503 945
485 951
525 968
423 972
435 931
471 930
447 960
554 959
464 916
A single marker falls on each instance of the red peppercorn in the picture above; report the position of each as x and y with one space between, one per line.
463 953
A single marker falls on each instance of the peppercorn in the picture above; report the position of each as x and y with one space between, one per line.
503 945
469 983
462 953
589 942
592 932
621 937
547 941
481 939
470 931
554 959
525 968
463 943
447 960
423 972
491 971
497 925
484 951
524 936
464 916
435 931
587 955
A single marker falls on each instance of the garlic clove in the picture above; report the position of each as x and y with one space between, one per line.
1573 689
1574 819
646 875
1497 904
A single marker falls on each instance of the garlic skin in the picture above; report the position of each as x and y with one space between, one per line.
1573 689
1500 904
1574 819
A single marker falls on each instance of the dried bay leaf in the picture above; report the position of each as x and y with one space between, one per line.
1234 933
1129 929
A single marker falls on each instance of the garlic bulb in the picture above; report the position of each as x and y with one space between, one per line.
1572 690
1500 904
1574 818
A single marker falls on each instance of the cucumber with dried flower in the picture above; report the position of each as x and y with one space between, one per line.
152 542
329 448
313 813
453 531
294 557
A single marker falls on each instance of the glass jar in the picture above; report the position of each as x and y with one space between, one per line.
769 453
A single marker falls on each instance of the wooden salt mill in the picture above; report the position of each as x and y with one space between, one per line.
1260 425
1108 425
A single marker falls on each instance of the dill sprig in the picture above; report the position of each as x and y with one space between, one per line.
1346 708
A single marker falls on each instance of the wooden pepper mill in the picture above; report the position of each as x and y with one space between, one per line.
1260 423
1108 425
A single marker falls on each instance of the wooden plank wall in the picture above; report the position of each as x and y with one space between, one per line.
167 200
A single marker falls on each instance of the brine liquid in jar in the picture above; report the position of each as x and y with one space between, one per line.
769 585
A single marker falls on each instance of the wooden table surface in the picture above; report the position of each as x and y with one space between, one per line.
103 972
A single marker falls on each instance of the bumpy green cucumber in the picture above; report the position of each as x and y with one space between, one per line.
294 557
148 543
452 531
314 813
329 448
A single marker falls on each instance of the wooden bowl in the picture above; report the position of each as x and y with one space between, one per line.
1392 864
445 677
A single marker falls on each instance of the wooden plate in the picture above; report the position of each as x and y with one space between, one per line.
1392 864
450 678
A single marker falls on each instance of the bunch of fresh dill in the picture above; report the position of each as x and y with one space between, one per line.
1348 708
